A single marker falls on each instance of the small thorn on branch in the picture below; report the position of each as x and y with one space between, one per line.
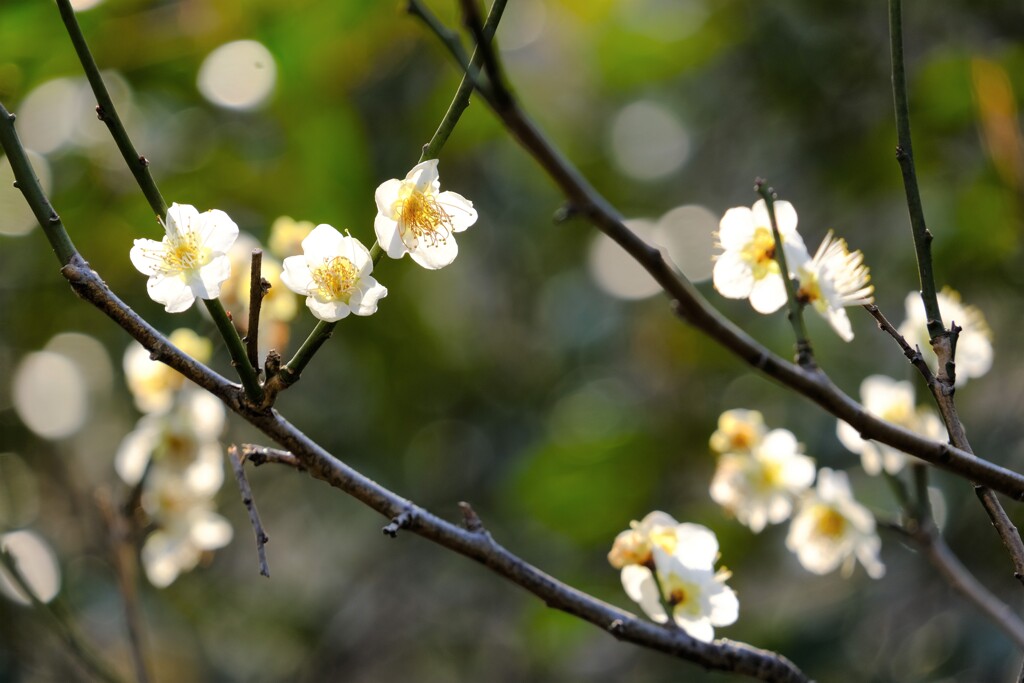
616 627
144 161
402 521
100 114
565 212
470 519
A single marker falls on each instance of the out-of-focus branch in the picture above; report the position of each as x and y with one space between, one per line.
60 621
694 309
258 288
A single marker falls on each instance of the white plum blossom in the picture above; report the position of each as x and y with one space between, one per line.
689 586
660 530
739 431
831 529
183 440
974 345
747 268
833 279
333 273
191 261
188 526
892 401
415 217
154 384
759 486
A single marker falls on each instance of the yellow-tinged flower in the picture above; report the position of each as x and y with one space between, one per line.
833 279
152 383
739 431
415 217
759 486
974 345
832 529
334 275
191 261
286 235
891 401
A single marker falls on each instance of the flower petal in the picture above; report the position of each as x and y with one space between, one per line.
424 177
142 256
459 209
296 275
696 546
364 299
639 584
768 294
389 237
436 255
386 196
172 292
732 276
328 311
217 231
180 219
725 607
736 228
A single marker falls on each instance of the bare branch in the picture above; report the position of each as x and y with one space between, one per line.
238 466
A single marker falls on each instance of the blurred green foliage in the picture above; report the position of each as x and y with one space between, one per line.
510 379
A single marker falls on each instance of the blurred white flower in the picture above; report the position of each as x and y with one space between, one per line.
191 261
973 347
695 593
747 268
659 530
892 401
415 217
187 526
833 279
739 431
154 384
183 440
334 275
832 529
758 487
286 235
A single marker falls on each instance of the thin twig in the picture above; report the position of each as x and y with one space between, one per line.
261 455
119 523
485 45
804 353
913 354
60 620
238 465
905 156
137 164
258 288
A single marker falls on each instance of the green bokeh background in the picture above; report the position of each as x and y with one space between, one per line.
510 379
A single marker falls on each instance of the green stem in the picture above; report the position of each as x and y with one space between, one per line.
61 623
376 253
239 357
804 354
924 503
137 163
321 333
905 156
25 179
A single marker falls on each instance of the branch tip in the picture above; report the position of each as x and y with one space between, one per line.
401 521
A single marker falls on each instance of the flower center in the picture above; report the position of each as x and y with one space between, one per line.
422 215
830 523
809 291
770 475
336 278
760 253
182 253
743 436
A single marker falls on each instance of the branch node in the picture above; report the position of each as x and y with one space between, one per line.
402 521
144 161
565 212
616 627
470 519
100 114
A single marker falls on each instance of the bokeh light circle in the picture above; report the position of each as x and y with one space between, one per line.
238 75
50 395
37 564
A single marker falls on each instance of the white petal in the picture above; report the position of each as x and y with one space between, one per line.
973 355
389 237
323 242
424 176
134 452
217 231
211 277
205 414
172 292
364 300
205 475
785 219
295 274
437 255
699 628
459 209
732 276
849 437
725 607
180 219
360 257
768 294
386 195
697 546
779 443
328 311
736 228
210 531
639 584
840 323
798 473
657 518
142 256
871 458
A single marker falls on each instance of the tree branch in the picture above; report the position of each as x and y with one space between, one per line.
238 466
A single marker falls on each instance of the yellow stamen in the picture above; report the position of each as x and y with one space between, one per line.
830 523
760 253
336 278
422 215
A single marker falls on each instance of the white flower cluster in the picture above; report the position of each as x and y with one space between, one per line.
668 568
764 478
974 345
175 456
414 217
831 280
